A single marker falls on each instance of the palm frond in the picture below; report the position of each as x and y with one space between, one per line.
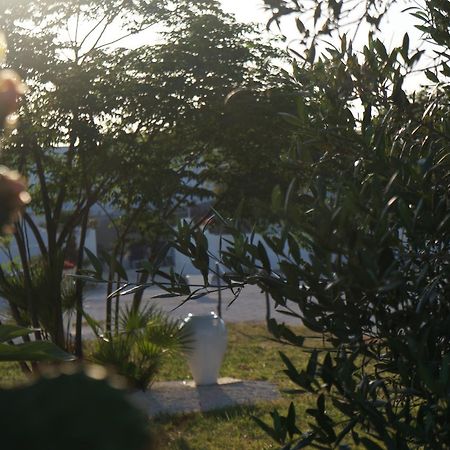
145 337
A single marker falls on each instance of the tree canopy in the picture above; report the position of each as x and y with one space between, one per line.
139 128
363 238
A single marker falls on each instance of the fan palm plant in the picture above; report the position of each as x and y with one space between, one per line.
145 337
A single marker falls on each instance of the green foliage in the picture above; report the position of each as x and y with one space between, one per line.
28 351
251 355
143 340
73 411
14 289
144 129
33 351
362 246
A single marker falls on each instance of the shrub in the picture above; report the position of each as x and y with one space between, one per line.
74 410
137 350
14 289
370 207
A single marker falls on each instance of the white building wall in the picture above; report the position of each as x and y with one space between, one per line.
10 250
5 255
183 263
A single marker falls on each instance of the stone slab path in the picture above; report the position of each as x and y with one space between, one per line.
176 397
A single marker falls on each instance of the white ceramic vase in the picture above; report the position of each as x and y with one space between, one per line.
206 349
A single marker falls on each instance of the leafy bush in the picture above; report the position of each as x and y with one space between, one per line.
362 245
29 350
137 350
13 198
74 411
14 288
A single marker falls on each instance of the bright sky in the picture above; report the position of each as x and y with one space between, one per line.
393 29
245 10
396 25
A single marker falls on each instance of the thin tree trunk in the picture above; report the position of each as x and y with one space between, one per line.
138 296
116 307
27 280
119 242
34 228
267 308
79 290
56 271
117 299
109 290
53 251
143 278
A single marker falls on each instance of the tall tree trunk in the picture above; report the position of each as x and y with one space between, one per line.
56 271
143 278
112 270
139 295
120 243
117 298
21 245
53 255
79 289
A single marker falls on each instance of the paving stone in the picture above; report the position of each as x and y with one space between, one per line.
175 397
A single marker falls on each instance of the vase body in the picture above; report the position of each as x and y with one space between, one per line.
206 349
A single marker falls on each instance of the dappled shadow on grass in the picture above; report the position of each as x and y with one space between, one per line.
227 428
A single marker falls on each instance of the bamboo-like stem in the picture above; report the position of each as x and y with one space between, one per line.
79 289
27 278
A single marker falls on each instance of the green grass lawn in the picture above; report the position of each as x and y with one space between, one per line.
10 374
251 355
